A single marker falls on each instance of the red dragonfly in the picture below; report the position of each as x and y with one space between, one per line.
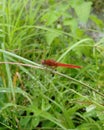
53 63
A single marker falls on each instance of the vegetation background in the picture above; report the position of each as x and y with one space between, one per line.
33 97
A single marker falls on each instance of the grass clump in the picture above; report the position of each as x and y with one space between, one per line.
36 97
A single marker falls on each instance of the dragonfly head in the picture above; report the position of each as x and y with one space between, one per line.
43 62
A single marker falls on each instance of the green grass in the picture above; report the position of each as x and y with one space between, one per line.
33 96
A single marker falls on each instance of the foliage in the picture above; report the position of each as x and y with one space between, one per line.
34 97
